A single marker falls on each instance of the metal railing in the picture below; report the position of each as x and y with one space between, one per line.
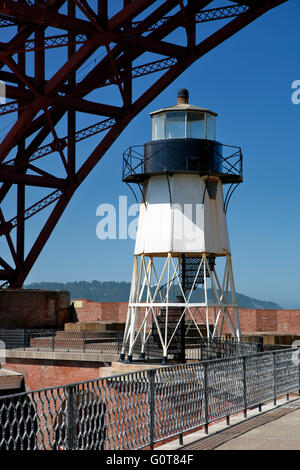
228 157
60 340
86 341
136 410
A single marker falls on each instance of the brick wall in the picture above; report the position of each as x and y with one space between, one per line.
280 321
42 374
26 308
248 319
289 321
267 320
89 310
251 320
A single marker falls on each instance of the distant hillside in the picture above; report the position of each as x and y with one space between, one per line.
119 292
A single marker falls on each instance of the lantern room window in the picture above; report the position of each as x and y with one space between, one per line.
195 125
158 127
175 125
183 124
210 127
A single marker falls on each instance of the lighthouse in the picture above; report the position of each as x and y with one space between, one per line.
185 177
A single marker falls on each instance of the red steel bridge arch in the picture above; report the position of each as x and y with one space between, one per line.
41 99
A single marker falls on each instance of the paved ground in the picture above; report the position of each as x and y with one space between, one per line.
279 434
275 428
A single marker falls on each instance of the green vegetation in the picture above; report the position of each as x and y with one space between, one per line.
110 291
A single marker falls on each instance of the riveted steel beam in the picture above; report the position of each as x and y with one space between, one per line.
42 100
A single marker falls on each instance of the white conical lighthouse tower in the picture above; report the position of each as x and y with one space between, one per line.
182 234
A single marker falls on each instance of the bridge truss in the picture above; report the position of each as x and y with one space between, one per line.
59 60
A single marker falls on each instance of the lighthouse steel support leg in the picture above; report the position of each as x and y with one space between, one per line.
131 308
165 352
182 322
128 318
205 296
144 330
143 322
137 304
133 315
233 293
214 300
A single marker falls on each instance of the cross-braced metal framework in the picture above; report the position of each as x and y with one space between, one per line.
167 294
62 61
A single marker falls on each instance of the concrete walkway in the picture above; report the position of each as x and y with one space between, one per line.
280 434
275 428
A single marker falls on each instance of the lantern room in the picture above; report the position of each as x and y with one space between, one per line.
183 121
183 141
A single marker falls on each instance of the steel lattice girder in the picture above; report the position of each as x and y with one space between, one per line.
41 100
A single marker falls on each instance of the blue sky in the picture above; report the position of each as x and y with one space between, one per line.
247 81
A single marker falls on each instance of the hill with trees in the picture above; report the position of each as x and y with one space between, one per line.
111 291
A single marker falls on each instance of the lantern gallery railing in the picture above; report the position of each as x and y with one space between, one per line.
198 156
136 410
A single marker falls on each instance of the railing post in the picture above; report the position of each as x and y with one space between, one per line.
151 378
275 378
245 386
70 418
205 398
